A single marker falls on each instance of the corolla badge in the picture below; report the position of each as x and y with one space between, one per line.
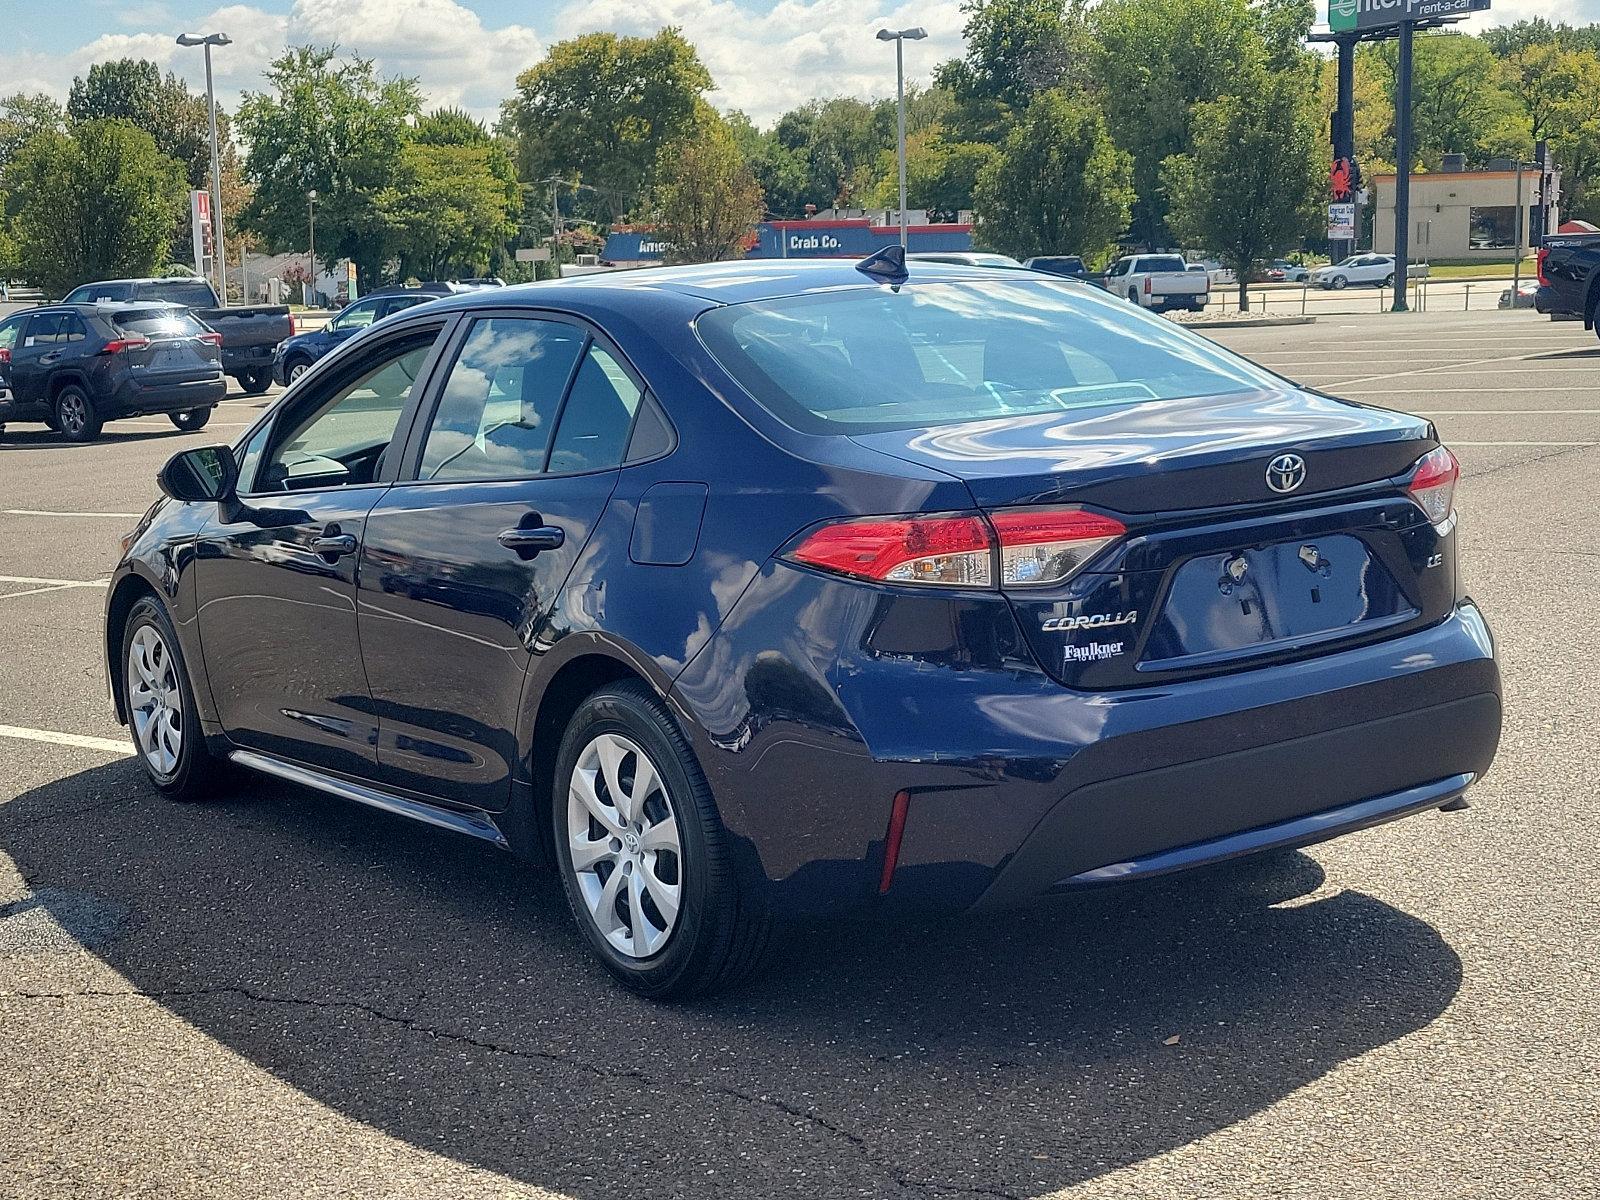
1092 621
1285 473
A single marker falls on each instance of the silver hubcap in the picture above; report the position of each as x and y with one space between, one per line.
154 701
622 832
72 413
297 370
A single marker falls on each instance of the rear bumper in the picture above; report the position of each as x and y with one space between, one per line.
133 398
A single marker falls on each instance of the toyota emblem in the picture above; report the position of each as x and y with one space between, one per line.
1286 472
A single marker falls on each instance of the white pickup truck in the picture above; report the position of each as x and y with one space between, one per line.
1158 281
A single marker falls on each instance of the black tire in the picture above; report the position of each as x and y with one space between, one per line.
1133 295
195 774
51 423
75 414
1338 283
256 381
296 367
722 933
190 419
1388 281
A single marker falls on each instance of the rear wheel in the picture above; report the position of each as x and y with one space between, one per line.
159 701
1133 295
644 860
75 415
255 381
190 419
1388 280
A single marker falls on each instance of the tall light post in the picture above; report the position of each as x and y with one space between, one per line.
209 40
311 217
899 37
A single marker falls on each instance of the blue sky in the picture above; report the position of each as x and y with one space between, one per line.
765 55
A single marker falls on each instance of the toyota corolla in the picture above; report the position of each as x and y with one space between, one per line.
751 592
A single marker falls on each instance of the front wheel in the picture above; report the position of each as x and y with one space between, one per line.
255 381
76 417
644 860
1338 283
298 368
159 701
190 419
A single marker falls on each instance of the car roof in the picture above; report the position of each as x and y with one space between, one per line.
709 283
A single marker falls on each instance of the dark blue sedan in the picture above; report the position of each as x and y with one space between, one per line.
751 592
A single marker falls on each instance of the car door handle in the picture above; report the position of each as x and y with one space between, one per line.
334 545
528 542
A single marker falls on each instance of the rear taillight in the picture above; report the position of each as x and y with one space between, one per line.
1049 545
211 339
1147 285
1011 548
1543 254
5 356
119 345
1433 484
294 326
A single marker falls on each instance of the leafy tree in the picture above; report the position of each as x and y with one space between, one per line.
1059 184
1505 40
778 169
451 208
450 127
941 175
1019 48
1249 186
22 116
1374 113
332 125
839 141
1458 104
706 198
133 89
1155 61
1559 89
599 108
96 203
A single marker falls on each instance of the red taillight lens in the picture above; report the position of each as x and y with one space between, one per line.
1049 545
946 551
1433 484
1543 254
294 326
5 356
1035 547
118 345
214 339
1147 285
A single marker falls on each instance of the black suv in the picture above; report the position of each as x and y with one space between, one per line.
76 366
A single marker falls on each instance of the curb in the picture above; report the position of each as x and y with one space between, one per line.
1247 323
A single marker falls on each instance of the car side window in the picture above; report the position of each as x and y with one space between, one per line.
72 328
357 316
44 331
501 399
597 418
9 331
337 435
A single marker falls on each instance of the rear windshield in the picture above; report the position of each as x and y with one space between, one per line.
867 359
158 322
192 293
1163 262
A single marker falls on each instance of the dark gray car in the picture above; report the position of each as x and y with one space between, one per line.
76 366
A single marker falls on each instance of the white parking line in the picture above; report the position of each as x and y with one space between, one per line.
1453 442
41 586
45 512
1504 412
78 740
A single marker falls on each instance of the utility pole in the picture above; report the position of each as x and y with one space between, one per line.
555 227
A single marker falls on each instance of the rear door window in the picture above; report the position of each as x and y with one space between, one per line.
593 433
191 293
159 323
44 330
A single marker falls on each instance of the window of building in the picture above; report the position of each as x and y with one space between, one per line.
1495 227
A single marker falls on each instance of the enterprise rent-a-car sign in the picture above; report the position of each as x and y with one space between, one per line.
1358 16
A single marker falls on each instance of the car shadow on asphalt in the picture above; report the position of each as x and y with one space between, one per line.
434 989
39 438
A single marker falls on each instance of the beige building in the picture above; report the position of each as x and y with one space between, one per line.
1459 214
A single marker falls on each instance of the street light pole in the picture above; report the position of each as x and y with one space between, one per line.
898 37
311 284
209 40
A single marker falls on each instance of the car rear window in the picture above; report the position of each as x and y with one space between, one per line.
158 322
870 359
1163 262
191 293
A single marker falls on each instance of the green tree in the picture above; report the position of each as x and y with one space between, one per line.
838 142
450 127
332 125
941 175
1155 61
451 208
1059 184
1458 103
778 169
133 90
22 116
1019 48
96 203
1248 187
600 107
706 198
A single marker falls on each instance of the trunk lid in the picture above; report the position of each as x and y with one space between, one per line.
1219 571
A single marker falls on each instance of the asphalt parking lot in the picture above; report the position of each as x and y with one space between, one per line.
278 995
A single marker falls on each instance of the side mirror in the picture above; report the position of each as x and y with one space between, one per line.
209 473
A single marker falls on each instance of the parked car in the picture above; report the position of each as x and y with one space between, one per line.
1068 266
967 258
1281 270
1219 275
76 366
1376 270
294 357
1158 281
250 333
1569 272
758 590
1523 295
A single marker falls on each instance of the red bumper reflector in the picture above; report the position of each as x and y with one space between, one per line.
891 839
